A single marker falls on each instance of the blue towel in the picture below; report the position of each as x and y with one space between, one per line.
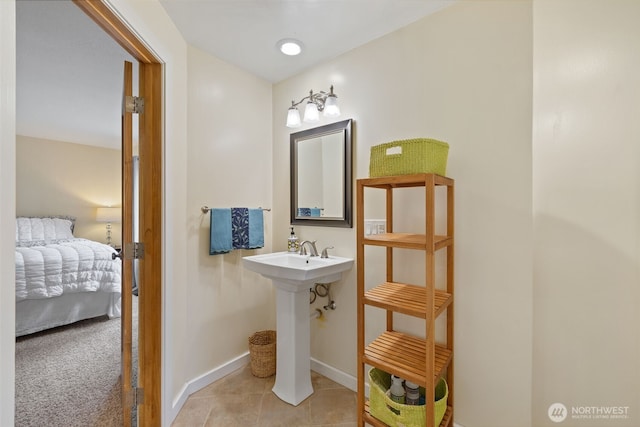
256 228
236 228
315 211
221 242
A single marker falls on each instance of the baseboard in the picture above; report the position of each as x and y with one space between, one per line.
204 380
334 374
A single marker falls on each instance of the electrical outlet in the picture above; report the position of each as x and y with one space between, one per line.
374 226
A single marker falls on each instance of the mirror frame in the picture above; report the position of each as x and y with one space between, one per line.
344 127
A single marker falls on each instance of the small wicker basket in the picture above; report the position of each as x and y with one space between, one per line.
396 414
262 351
408 156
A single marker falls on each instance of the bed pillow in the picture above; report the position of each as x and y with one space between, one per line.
44 228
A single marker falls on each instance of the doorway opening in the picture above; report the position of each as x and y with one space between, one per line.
150 154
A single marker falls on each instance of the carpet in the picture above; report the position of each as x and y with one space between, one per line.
70 376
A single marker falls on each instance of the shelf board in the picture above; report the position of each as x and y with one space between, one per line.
404 355
406 240
397 181
370 419
406 299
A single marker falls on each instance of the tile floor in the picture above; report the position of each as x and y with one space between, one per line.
242 400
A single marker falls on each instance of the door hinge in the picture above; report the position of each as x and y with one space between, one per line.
134 250
135 397
134 104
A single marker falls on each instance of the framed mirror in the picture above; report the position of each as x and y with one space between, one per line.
321 176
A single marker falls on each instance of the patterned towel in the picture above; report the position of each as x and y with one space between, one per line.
247 228
240 228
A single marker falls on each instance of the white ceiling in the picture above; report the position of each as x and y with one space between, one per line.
69 72
245 32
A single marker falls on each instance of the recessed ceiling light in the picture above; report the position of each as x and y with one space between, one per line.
290 47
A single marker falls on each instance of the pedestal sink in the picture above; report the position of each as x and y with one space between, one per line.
293 275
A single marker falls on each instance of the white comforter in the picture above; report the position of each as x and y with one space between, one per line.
65 266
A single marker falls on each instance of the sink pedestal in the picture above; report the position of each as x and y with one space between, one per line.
293 348
293 274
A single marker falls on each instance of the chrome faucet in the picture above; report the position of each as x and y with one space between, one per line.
325 254
312 247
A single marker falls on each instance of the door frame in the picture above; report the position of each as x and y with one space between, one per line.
150 229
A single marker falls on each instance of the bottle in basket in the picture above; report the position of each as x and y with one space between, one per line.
413 393
397 390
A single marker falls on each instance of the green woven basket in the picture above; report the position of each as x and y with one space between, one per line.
396 414
420 155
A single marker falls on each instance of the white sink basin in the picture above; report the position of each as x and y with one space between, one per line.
298 270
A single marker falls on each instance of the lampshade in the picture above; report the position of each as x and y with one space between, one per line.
331 108
109 214
311 113
293 118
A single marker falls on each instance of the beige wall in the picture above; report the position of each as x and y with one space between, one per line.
228 160
586 209
463 75
61 178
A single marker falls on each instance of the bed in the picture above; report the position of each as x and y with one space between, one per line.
61 279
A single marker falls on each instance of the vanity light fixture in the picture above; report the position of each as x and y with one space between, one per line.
316 102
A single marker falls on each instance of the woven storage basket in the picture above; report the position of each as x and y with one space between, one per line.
420 155
262 351
396 414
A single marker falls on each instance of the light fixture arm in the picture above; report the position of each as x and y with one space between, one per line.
318 98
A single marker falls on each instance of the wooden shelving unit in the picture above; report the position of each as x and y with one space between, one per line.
419 360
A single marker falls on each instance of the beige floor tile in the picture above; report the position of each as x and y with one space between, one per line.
276 412
333 406
242 400
194 413
233 410
238 382
320 382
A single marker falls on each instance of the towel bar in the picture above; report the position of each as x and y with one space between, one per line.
206 209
